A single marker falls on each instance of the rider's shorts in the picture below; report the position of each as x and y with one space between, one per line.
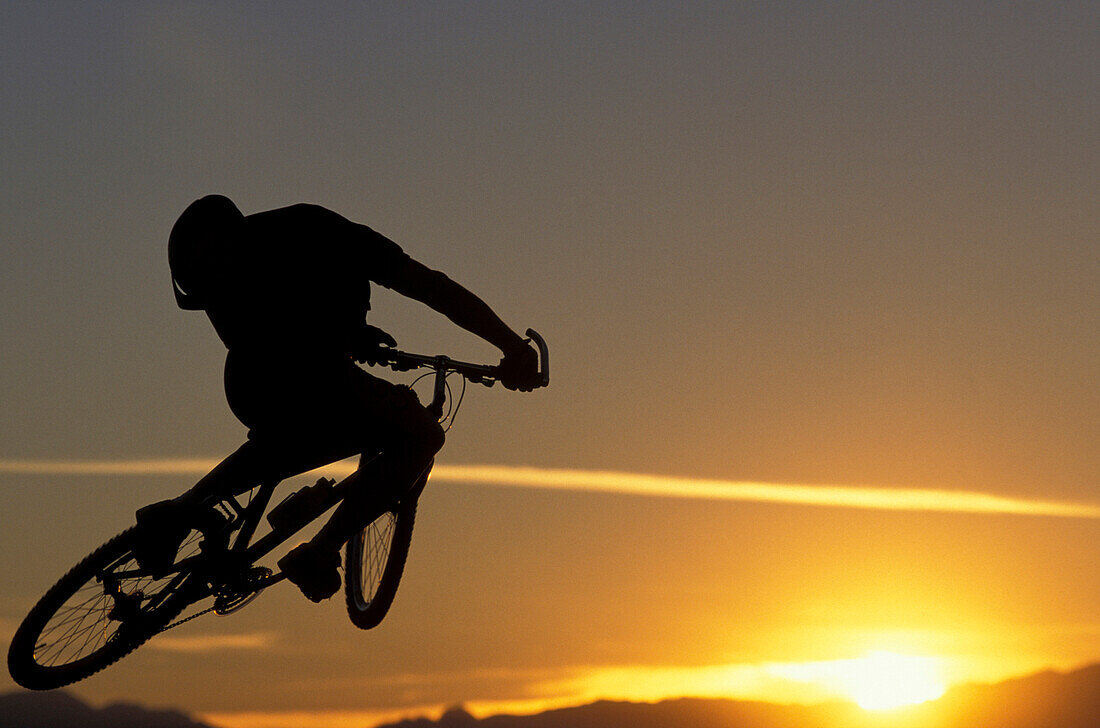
323 403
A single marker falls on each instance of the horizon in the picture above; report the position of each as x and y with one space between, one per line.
933 708
820 290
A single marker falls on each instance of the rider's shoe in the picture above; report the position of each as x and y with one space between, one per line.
313 569
162 527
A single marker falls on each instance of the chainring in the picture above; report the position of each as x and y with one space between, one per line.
235 596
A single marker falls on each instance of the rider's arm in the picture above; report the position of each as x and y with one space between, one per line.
434 289
394 269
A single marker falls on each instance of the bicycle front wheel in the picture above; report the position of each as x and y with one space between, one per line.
101 610
374 560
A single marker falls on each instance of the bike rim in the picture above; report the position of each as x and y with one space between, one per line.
375 542
97 613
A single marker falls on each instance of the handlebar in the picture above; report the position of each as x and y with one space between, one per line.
544 357
403 361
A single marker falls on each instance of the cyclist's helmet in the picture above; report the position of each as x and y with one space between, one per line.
197 244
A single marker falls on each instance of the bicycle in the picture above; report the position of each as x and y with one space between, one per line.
107 606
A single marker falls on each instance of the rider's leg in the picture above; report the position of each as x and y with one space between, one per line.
163 526
258 461
408 438
314 566
385 479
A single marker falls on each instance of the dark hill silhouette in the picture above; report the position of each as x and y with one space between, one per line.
682 712
61 710
1043 700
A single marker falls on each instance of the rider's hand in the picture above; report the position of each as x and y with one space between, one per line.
369 343
519 369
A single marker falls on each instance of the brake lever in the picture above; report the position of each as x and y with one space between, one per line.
544 357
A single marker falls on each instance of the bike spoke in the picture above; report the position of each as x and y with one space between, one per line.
74 613
72 634
72 623
76 630
377 539
89 620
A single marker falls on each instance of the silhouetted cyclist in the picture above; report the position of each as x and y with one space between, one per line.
288 292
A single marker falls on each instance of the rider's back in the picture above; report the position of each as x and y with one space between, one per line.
295 282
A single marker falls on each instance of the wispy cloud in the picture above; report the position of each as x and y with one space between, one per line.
318 718
637 484
213 642
847 496
158 466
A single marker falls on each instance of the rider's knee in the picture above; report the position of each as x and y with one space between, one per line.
423 429
413 430
430 436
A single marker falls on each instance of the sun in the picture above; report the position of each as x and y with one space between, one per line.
879 680
885 680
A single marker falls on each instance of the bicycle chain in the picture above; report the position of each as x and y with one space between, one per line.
185 620
257 587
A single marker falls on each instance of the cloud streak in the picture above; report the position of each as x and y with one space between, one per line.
634 484
842 496
211 643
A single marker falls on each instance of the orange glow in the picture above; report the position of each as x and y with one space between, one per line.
877 681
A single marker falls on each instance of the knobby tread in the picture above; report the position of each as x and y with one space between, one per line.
376 611
21 663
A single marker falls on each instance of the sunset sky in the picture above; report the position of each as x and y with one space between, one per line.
820 283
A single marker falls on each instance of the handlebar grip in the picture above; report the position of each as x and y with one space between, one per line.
544 357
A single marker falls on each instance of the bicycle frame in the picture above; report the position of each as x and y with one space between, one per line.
244 552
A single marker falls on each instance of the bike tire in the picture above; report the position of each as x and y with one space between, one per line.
75 629
374 561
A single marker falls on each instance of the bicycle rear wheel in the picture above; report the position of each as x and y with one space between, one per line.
374 561
101 610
